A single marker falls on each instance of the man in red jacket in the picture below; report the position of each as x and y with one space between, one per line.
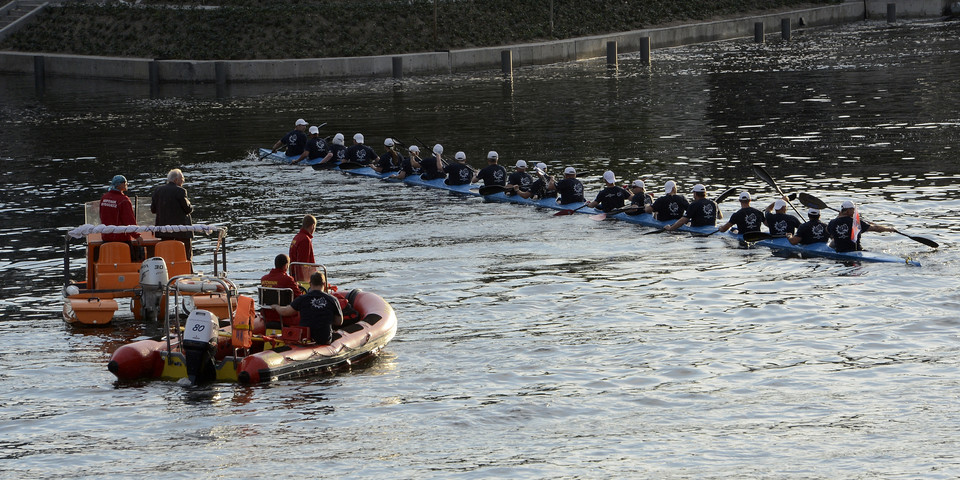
278 278
116 209
301 249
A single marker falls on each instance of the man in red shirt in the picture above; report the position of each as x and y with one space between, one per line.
278 278
301 248
116 209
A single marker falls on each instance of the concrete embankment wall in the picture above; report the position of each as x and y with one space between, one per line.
162 71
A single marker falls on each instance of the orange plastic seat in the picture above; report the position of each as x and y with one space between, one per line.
174 254
114 270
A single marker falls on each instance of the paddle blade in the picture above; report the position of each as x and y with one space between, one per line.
751 237
925 241
763 175
705 234
812 202
598 217
350 165
323 166
652 232
566 211
726 194
490 189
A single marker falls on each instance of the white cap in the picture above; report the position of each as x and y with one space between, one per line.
414 149
745 196
438 149
338 139
492 154
609 177
639 183
779 204
846 204
300 121
813 211
460 156
570 171
521 164
542 166
358 137
314 130
669 187
388 142
699 188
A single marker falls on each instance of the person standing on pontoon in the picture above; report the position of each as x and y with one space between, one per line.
116 209
360 153
780 223
316 148
493 173
612 196
296 140
172 207
458 173
301 248
747 219
846 229
701 213
570 189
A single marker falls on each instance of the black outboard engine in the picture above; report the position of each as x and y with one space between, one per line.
200 346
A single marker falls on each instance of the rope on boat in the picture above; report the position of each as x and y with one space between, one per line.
87 229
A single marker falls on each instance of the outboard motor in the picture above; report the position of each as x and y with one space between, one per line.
153 277
200 346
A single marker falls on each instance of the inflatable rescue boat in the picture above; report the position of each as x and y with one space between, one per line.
241 346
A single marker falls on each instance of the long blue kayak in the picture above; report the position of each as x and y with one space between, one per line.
644 219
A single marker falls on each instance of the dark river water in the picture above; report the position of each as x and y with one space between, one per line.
529 346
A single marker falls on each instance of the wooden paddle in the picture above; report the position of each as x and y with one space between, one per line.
602 216
568 211
814 202
762 173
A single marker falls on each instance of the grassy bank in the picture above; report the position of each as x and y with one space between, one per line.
253 29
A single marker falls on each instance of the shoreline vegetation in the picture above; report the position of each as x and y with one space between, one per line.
277 29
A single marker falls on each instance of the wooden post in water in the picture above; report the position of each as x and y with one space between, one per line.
506 62
645 50
757 32
397 68
220 69
891 13
785 28
39 72
154 78
612 54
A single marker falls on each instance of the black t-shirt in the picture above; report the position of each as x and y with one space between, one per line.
747 219
493 175
458 174
295 141
316 148
611 197
839 230
813 231
570 190
781 223
702 212
361 154
318 311
670 207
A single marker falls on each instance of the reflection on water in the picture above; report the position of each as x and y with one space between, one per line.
529 345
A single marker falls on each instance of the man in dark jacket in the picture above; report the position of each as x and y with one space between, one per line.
172 207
